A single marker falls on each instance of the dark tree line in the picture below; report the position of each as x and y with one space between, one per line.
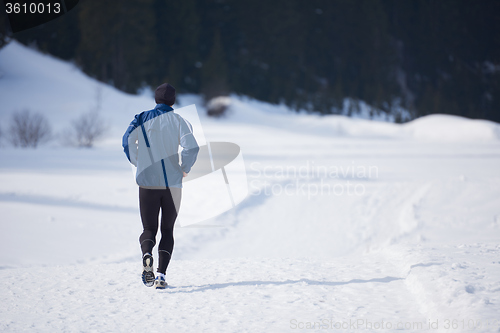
428 56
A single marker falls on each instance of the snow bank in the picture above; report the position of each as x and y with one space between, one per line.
447 128
58 89
431 128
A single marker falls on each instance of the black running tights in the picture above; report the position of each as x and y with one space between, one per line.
150 203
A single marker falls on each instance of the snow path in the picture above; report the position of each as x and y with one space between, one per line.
239 295
248 295
416 247
419 246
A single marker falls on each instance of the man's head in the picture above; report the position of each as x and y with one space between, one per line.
165 94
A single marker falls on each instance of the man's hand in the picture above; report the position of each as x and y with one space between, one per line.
184 174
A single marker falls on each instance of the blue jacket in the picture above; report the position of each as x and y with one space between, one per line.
152 142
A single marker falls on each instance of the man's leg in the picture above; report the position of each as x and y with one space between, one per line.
170 204
149 203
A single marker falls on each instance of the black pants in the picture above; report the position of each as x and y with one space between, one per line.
150 202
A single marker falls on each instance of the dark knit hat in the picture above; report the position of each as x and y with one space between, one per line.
165 94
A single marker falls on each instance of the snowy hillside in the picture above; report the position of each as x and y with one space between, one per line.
351 224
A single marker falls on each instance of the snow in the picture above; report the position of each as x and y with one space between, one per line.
440 127
351 224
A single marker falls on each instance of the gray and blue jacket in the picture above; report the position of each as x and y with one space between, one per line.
152 142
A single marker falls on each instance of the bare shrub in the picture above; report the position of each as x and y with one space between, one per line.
29 129
86 130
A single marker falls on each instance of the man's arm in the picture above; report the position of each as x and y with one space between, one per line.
190 146
129 141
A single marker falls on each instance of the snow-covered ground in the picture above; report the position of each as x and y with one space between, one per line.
351 225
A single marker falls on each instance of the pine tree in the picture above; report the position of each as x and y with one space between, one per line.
116 41
214 71
177 32
5 31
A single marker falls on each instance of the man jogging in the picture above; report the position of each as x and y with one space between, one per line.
151 143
